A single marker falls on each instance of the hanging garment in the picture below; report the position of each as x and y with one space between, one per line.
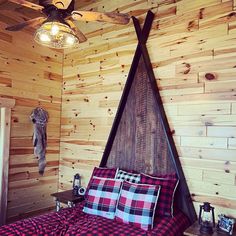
40 118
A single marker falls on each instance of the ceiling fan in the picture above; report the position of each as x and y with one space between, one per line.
57 27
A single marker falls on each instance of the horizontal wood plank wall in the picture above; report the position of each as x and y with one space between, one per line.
193 52
32 75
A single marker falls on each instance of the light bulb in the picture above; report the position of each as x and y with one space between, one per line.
44 38
70 40
54 29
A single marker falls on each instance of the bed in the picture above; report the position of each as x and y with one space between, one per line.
73 221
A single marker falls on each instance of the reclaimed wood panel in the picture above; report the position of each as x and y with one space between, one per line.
32 75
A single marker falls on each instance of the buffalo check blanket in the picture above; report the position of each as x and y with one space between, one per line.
73 221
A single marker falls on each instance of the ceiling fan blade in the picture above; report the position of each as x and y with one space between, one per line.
116 18
32 22
27 4
61 4
78 33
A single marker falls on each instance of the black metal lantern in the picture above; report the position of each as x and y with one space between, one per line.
76 184
206 218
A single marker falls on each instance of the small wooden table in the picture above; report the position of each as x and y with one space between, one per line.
193 230
66 197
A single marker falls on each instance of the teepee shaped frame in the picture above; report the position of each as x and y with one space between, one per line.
182 195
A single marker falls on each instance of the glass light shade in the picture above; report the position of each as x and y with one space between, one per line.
207 217
56 35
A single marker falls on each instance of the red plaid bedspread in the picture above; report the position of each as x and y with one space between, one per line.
72 221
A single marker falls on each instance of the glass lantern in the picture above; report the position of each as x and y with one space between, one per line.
206 218
76 184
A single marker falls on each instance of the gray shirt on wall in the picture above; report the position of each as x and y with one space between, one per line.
40 118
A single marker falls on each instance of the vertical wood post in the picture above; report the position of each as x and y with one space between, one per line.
5 126
4 160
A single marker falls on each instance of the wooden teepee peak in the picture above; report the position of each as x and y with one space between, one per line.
140 138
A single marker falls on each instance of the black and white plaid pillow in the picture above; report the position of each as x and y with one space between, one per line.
130 177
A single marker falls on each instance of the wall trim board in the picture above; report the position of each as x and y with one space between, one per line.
5 128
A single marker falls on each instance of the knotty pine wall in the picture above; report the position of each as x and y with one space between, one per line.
32 75
189 41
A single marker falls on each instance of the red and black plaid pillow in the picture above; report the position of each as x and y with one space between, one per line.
102 197
137 204
166 198
102 172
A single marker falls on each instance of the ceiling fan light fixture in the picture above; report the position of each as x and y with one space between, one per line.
56 35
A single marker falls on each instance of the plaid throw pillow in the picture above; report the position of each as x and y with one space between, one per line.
104 172
166 199
137 204
130 177
102 197
101 172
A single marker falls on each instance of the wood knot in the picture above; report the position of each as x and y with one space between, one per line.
232 14
201 13
191 25
210 76
157 26
188 68
15 120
